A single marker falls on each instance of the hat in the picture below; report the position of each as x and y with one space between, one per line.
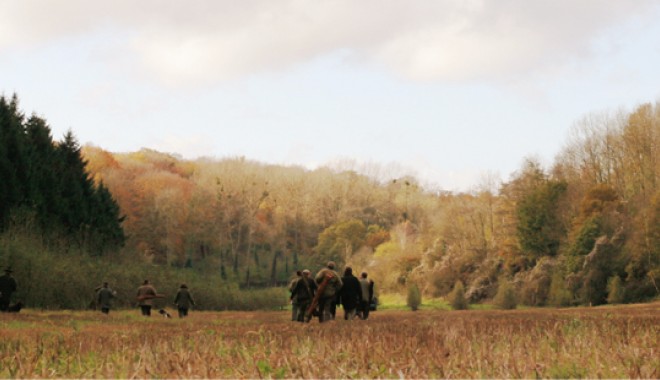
306 271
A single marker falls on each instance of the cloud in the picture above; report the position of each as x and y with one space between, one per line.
201 42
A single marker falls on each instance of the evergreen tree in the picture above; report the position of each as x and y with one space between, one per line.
49 183
540 230
13 161
75 186
457 298
106 221
42 178
414 298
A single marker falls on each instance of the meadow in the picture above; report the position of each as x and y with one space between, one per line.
602 342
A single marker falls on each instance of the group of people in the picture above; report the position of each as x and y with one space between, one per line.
310 296
329 289
146 294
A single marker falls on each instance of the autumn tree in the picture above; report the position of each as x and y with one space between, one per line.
339 241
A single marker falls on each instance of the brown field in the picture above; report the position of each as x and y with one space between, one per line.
603 342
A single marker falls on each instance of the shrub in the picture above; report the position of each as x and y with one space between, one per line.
457 298
615 291
559 294
414 298
506 297
48 279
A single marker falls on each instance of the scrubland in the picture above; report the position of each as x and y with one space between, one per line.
602 342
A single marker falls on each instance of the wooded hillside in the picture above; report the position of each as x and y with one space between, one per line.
584 231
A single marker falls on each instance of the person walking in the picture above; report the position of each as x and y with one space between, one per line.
104 296
329 293
8 286
145 295
350 294
183 300
303 294
367 290
295 308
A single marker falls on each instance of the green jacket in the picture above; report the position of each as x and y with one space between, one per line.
149 291
333 286
184 299
104 297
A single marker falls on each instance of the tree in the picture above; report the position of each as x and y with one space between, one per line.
339 241
13 158
540 229
506 296
43 182
48 183
457 298
615 291
414 298
559 294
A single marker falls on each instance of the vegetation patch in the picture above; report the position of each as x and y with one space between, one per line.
612 342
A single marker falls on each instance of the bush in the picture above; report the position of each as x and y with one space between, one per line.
457 298
414 298
615 291
506 297
559 294
49 279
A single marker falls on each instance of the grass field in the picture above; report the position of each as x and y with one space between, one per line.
603 342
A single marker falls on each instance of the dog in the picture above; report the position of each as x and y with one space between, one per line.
15 308
164 313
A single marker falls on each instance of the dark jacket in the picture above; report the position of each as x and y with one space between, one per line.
7 287
351 293
104 297
304 290
184 299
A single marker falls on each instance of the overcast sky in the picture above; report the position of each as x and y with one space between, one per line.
450 90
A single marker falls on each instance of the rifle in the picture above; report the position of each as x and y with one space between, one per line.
150 296
317 296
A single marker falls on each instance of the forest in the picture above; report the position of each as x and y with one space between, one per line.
583 231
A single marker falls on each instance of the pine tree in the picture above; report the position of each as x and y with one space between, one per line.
539 227
414 298
457 298
13 161
49 183
42 178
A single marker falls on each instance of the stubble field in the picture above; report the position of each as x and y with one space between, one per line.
603 342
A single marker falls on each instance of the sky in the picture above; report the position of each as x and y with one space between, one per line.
453 92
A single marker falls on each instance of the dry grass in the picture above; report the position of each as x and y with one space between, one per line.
604 342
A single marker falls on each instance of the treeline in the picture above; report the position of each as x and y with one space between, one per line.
585 230
45 187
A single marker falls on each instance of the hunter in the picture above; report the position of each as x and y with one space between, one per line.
303 293
329 295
